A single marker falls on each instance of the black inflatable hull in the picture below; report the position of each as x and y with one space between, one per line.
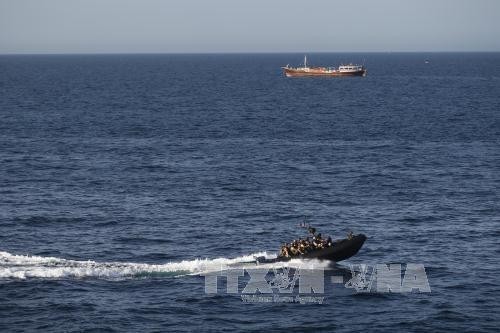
339 251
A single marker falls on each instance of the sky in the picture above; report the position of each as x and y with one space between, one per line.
226 26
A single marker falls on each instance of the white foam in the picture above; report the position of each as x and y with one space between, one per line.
23 267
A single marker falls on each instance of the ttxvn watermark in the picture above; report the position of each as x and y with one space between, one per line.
307 285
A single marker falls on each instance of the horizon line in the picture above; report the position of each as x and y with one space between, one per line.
230 52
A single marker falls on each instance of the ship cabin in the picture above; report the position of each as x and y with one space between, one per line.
350 68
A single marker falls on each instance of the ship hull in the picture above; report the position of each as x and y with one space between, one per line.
299 73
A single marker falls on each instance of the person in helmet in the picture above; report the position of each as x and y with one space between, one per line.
285 251
312 231
317 242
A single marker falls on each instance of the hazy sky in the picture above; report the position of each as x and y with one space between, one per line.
114 26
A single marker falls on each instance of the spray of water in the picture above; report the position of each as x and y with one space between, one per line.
25 267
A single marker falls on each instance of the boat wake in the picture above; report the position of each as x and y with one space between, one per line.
26 267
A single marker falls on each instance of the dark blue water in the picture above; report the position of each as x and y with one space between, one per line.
143 163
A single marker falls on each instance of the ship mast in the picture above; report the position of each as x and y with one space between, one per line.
305 61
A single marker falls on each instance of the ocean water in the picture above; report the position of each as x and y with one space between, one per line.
125 178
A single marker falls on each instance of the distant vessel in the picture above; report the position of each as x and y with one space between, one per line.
342 70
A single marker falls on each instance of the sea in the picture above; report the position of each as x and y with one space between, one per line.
128 183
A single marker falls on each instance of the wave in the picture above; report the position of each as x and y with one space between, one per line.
25 267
